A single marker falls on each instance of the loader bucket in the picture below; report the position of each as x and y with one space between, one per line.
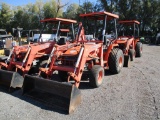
61 95
11 79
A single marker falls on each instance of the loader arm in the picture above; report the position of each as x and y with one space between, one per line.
59 50
78 70
36 51
21 62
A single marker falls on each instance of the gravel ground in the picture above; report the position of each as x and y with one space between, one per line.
134 94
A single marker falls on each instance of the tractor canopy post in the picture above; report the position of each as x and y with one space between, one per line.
138 29
31 33
104 29
19 35
28 36
59 23
79 30
95 23
115 22
73 32
134 30
42 31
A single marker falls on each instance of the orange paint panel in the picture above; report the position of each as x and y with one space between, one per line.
129 22
99 14
56 20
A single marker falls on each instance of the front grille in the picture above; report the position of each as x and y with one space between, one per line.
68 60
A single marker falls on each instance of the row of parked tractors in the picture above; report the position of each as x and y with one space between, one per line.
31 67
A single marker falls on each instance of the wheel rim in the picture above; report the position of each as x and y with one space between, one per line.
120 61
100 76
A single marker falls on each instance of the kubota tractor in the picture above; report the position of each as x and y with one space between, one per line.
27 59
129 42
70 61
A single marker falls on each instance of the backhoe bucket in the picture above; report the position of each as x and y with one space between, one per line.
11 79
61 95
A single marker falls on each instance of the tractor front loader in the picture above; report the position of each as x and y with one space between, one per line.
27 59
129 42
62 95
71 61
23 60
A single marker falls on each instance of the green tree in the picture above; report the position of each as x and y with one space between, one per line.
6 15
53 8
49 9
145 11
71 11
149 15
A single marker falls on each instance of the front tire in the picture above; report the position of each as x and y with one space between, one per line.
96 76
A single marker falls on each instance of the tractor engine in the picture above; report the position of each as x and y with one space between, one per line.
68 60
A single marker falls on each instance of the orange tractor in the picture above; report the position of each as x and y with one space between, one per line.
130 44
70 61
27 59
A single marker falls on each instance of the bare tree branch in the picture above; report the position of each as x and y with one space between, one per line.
59 6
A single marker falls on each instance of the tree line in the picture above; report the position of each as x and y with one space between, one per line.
147 12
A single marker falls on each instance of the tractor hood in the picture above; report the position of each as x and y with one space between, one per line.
72 51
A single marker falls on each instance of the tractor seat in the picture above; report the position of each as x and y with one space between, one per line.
62 41
89 37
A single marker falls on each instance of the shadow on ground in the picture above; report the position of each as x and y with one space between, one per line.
18 93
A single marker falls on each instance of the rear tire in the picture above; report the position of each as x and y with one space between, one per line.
132 54
116 60
138 49
96 76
